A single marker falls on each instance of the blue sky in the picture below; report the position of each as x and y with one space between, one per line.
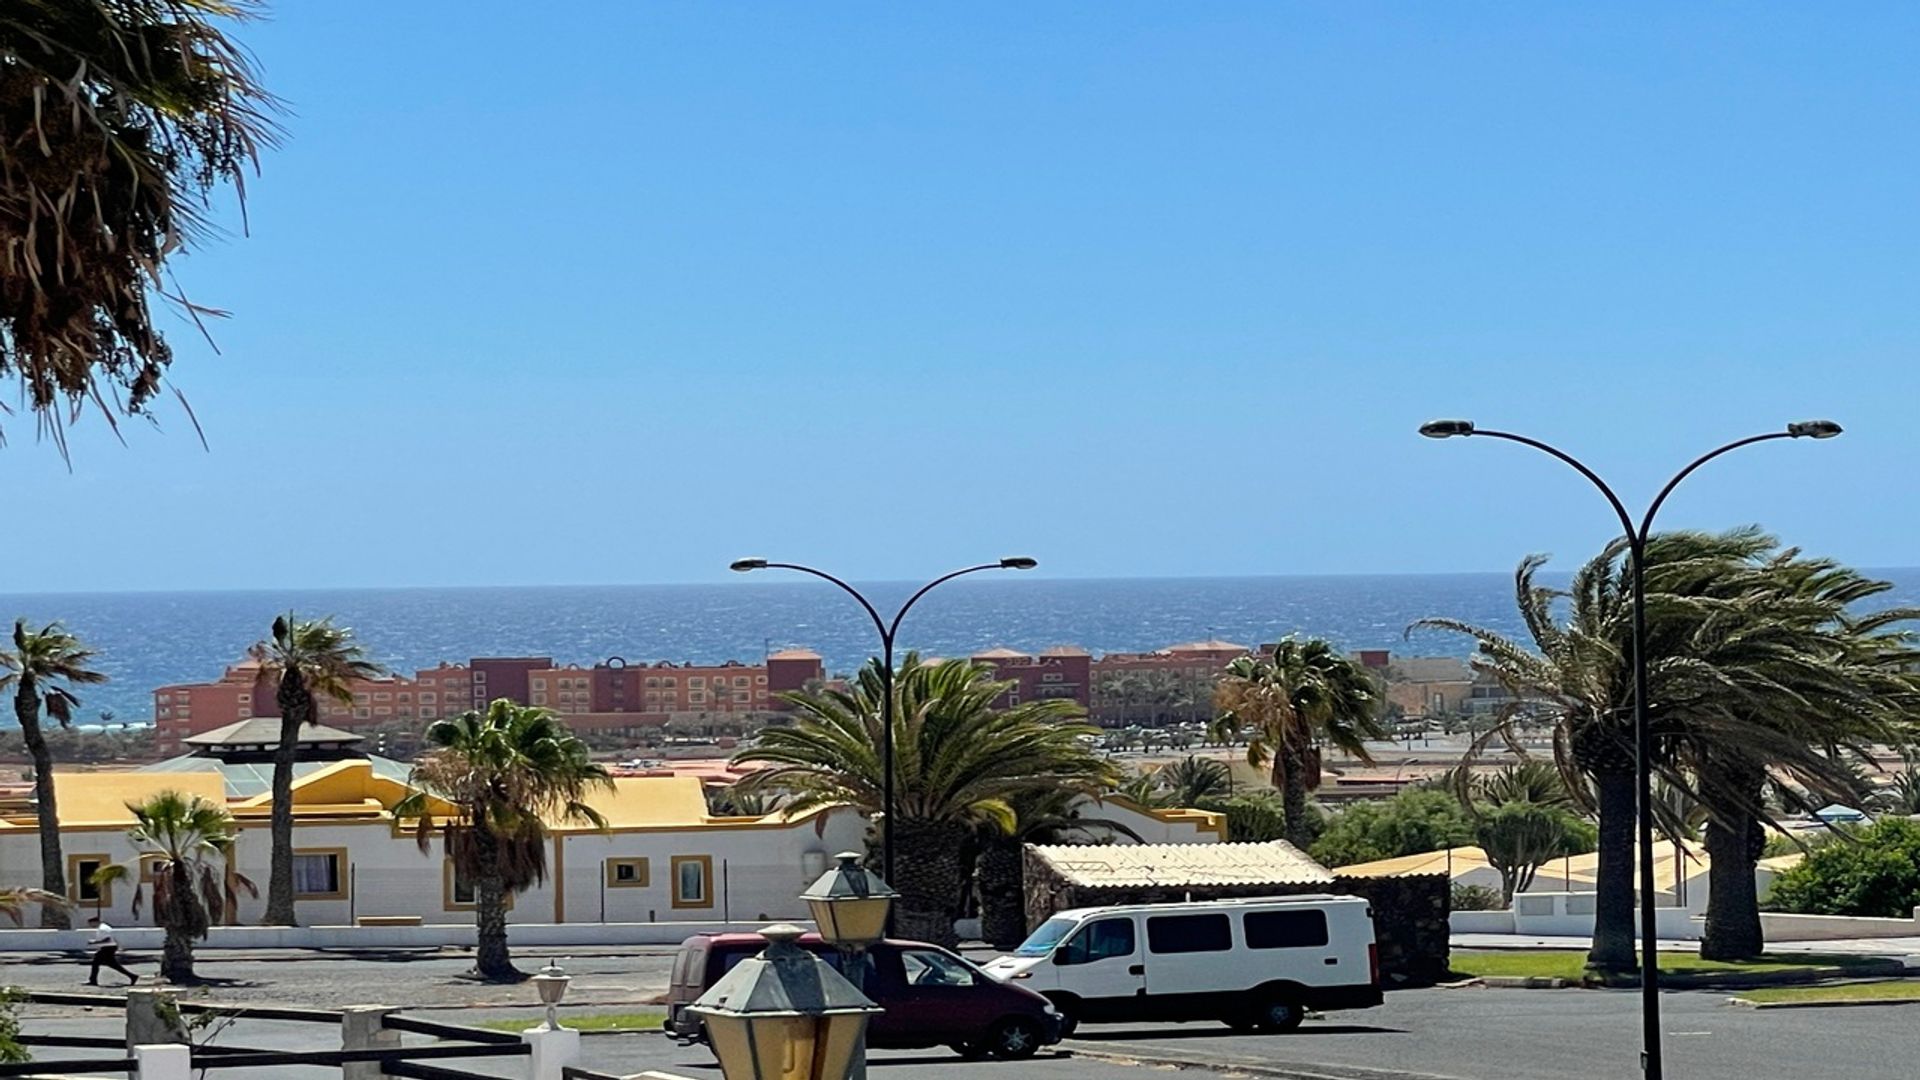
1140 289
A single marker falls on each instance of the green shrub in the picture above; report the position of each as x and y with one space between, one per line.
1477 898
1410 822
11 1052
1876 874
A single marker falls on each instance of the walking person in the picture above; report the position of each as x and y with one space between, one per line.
106 953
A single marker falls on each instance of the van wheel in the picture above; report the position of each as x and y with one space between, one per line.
1014 1038
1278 1014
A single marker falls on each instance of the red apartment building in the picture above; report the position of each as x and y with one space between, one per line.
608 696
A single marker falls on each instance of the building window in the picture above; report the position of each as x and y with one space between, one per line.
539 697
742 696
457 892
363 714
739 680
383 710
361 699
383 696
696 680
428 712
320 873
80 886
627 873
697 697
148 863
693 881
428 698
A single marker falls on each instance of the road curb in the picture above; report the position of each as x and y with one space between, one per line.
1857 1003
1239 1066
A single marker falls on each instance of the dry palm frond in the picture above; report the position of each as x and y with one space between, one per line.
118 120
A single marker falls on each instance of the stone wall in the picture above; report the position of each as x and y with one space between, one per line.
1409 913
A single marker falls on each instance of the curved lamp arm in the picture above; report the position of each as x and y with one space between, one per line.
1626 519
878 623
890 631
1646 523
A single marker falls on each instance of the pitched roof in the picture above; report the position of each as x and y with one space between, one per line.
794 654
247 779
1001 653
1065 650
1110 866
1209 645
638 801
265 731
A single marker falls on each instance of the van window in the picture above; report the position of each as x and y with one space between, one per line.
1286 929
1189 933
1101 940
1043 939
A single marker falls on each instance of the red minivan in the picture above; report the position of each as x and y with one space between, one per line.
931 996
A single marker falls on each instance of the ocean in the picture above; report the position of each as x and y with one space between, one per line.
150 639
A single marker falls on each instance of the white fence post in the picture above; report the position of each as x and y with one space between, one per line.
553 1050
162 1061
360 1029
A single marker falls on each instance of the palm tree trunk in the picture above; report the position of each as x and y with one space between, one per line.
1290 775
1733 929
53 868
1613 931
1003 894
296 709
928 877
176 956
491 958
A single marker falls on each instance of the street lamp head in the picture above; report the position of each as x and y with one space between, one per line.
744 565
1813 429
1018 562
1446 429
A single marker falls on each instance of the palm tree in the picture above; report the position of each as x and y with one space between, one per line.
1192 781
194 884
959 764
1806 687
1737 688
504 774
1049 816
40 662
1307 695
305 657
123 117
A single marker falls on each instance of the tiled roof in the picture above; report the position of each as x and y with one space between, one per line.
1002 653
1112 866
265 731
794 654
1210 645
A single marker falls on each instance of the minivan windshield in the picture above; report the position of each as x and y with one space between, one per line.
1042 941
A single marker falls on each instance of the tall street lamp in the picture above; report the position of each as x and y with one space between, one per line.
888 631
850 905
1650 1057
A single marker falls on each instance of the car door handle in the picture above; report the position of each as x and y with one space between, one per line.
1137 969
1331 960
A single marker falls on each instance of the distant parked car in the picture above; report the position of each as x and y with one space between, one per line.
1256 965
931 996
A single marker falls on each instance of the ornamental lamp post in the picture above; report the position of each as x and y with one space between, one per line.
551 982
784 1015
888 632
850 904
1651 1058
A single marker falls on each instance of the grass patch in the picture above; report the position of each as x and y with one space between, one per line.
1890 989
646 1021
1572 963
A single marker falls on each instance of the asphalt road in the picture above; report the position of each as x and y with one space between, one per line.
1466 1034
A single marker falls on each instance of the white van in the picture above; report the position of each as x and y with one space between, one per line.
1257 965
